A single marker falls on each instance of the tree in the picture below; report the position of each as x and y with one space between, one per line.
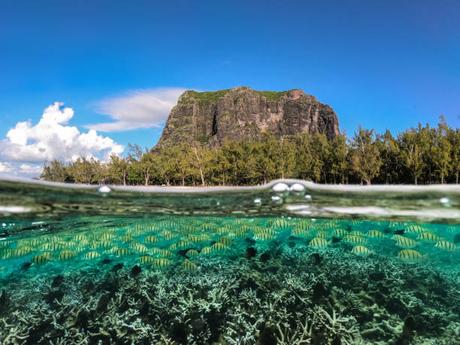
339 158
454 139
411 153
118 169
441 151
390 154
55 171
366 161
86 171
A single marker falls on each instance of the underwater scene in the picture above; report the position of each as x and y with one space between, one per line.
286 263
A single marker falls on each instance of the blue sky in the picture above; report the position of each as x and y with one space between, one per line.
379 64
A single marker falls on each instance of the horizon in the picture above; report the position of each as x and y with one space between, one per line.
118 69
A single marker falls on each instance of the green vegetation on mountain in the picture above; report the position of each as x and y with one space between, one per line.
421 155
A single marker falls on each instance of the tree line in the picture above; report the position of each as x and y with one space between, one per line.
421 155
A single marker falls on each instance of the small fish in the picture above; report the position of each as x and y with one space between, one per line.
428 236
91 255
167 235
42 258
361 250
355 239
160 262
52 246
161 252
225 241
410 255
318 243
375 234
150 239
146 259
140 248
414 229
446 245
404 242
121 251
192 253
66 255
189 265
206 250
265 235
340 233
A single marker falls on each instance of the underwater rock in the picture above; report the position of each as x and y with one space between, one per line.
320 291
316 258
264 257
377 276
57 281
250 252
37 331
178 332
26 265
4 302
117 267
135 271
103 302
267 336
336 239
54 295
82 319
250 241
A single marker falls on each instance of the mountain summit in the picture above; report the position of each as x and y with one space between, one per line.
243 113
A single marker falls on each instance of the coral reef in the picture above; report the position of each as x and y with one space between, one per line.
295 295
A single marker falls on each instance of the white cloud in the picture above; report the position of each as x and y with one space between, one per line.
5 167
27 146
137 109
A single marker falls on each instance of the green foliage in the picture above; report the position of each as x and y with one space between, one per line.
418 155
272 95
365 155
208 96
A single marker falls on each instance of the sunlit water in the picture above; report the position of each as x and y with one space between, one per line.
286 263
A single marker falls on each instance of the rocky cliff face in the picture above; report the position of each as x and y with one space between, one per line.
243 113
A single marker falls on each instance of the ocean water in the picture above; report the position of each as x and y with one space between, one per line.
290 262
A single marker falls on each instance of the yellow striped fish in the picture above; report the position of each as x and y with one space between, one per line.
318 243
41 258
361 250
428 236
150 239
355 239
91 255
192 252
446 245
410 255
375 234
404 242
66 255
189 265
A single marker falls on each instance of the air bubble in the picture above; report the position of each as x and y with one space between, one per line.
104 189
444 200
280 187
297 188
276 199
257 201
308 197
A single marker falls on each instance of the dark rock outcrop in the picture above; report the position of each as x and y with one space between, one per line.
242 113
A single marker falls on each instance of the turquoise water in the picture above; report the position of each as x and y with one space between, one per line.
286 263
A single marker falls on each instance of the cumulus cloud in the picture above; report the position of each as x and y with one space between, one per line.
137 109
27 146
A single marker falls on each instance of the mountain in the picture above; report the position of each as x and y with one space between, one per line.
243 113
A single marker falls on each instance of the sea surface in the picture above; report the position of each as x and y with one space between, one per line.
289 262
